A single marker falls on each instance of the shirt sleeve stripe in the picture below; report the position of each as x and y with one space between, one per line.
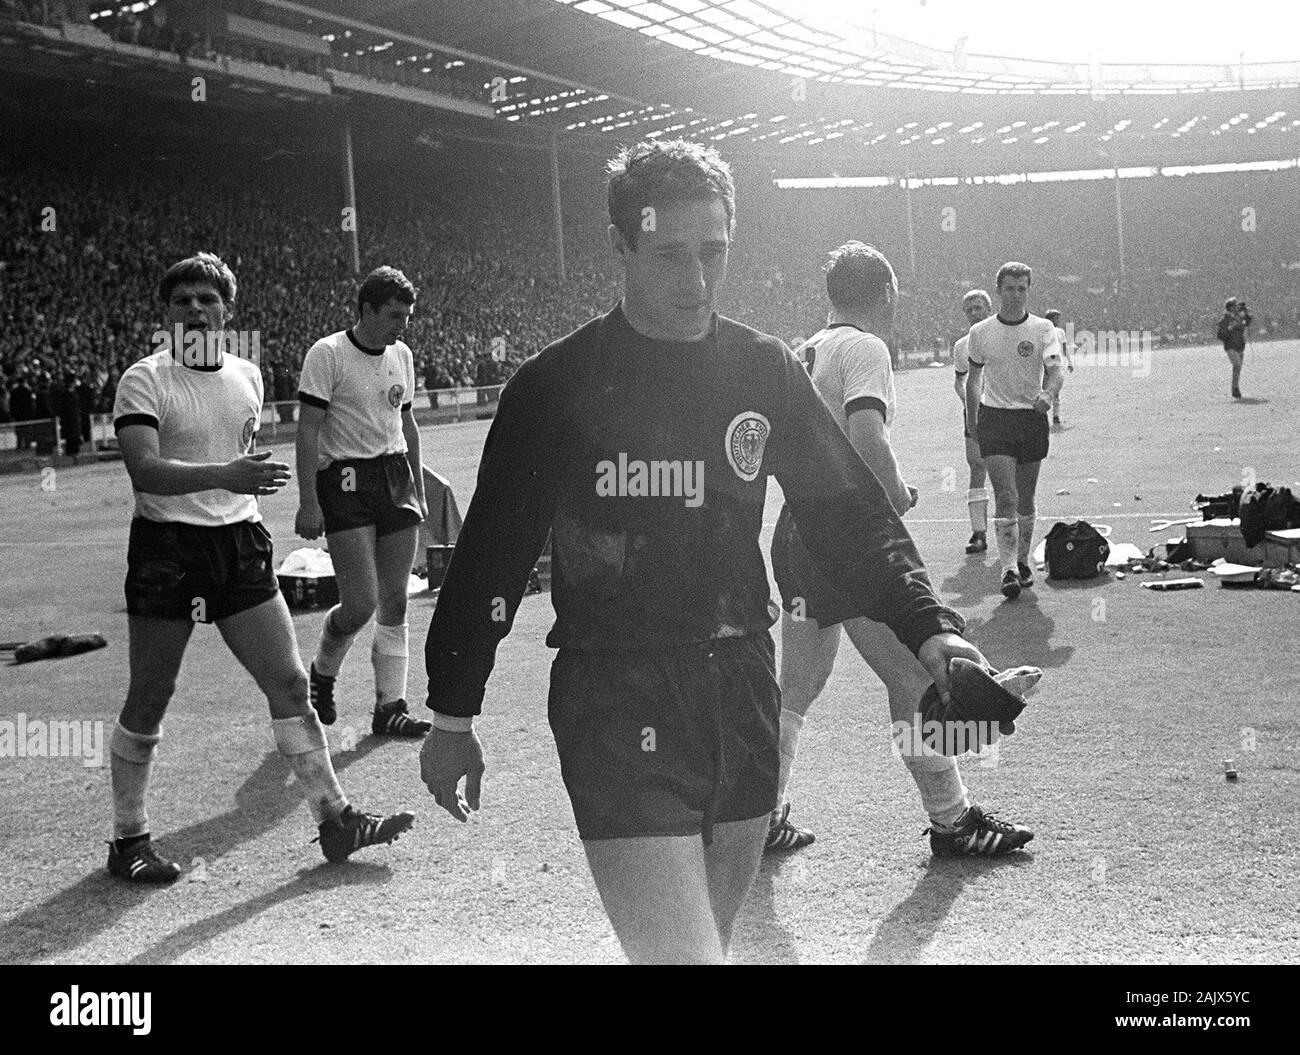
134 419
313 401
865 403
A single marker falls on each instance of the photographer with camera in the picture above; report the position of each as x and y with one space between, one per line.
1232 332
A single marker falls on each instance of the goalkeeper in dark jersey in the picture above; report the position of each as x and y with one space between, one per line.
642 443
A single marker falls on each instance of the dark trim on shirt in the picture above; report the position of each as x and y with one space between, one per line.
313 401
837 325
361 347
134 419
865 403
1016 323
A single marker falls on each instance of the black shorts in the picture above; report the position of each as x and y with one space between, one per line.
667 741
358 492
1019 434
804 590
198 574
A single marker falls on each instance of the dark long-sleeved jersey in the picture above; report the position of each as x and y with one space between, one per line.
647 461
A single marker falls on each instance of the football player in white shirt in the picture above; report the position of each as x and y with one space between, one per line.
1015 372
1067 353
850 368
199 553
359 445
976 306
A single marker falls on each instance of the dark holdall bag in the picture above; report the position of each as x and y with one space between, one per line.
1075 551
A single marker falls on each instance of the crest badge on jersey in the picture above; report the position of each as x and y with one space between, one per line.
395 396
250 426
746 438
1025 348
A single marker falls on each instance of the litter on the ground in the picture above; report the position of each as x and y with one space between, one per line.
1121 553
1233 574
1174 584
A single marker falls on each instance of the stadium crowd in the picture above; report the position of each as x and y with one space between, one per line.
80 251
365 54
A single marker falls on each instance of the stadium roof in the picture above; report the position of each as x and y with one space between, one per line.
744 74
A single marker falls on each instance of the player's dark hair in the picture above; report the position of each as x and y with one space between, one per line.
201 267
980 295
1052 315
1014 269
859 277
1230 303
382 285
655 173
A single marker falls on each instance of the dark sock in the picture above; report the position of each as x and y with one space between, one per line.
123 845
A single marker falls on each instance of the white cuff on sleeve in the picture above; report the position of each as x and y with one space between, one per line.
450 723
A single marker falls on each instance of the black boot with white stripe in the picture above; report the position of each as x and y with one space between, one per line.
392 719
354 830
977 833
135 859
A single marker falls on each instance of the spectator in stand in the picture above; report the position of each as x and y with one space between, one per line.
5 417
285 390
22 406
65 406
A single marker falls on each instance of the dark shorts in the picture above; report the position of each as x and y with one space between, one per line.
198 574
667 741
1019 434
805 591
358 492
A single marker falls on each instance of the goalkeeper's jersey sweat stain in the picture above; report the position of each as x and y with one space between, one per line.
637 567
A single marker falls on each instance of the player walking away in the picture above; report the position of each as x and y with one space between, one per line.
1067 354
1007 400
643 442
1232 332
357 439
199 553
850 369
976 306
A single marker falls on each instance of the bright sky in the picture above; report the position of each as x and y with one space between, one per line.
1075 30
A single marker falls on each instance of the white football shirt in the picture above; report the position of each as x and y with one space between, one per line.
363 393
850 369
1013 356
960 356
201 416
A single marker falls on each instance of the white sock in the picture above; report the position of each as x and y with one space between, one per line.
333 646
131 757
390 656
977 500
791 727
943 795
1005 531
301 740
1026 540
